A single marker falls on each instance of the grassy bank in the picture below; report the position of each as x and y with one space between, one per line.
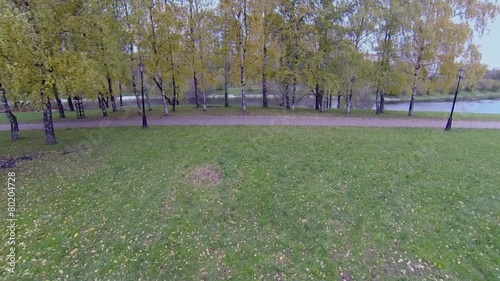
189 110
248 203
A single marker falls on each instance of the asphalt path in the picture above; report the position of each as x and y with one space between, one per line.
261 121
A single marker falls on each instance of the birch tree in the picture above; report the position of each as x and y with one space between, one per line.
156 45
267 37
36 62
389 14
359 24
14 126
226 29
12 38
129 16
440 31
239 10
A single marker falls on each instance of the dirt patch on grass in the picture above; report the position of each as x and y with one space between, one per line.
224 271
346 276
26 158
7 164
205 175
70 152
381 265
280 277
11 162
407 267
281 258
219 254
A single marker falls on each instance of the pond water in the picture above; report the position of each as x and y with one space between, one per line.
481 106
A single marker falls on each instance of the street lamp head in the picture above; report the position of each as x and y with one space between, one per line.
461 73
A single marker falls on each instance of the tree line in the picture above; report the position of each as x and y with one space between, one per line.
490 82
53 49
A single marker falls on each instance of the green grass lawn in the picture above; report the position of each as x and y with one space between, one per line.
189 110
248 203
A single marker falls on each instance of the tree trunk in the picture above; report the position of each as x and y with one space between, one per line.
60 106
204 100
294 90
323 101
385 67
330 101
377 102
134 84
146 92
165 101
50 136
348 104
106 101
283 100
382 101
202 80
121 92
243 88
193 43
287 95
136 93
174 101
113 104
227 73
243 78
159 84
316 96
243 37
102 106
414 89
195 79
14 126
412 105
348 97
70 103
264 76
174 98
415 80
265 57
339 99
110 89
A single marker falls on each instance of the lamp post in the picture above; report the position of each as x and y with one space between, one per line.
144 120
461 74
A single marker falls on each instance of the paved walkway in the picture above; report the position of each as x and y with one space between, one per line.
262 121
